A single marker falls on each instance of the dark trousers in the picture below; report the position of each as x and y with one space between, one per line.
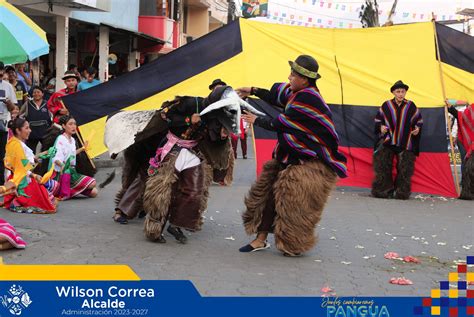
384 186
32 144
268 216
3 144
243 145
131 202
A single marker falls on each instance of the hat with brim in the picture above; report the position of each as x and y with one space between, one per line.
216 82
70 74
397 85
306 66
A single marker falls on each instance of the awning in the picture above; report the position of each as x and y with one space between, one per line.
143 40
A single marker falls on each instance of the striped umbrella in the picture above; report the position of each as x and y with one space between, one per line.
20 38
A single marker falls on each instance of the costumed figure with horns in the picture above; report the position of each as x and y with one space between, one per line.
289 195
178 183
398 125
185 140
466 138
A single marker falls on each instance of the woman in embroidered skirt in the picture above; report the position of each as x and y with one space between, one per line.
34 194
64 153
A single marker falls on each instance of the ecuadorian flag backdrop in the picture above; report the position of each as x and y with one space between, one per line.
358 67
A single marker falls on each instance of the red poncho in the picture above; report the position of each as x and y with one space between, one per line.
54 102
466 129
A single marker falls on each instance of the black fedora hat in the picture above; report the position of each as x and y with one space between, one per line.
306 66
70 74
399 84
216 82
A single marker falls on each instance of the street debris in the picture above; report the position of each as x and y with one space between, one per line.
400 281
392 256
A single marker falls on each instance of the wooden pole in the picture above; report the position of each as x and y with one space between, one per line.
448 119
79 137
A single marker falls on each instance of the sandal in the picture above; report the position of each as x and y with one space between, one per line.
291 255
120 217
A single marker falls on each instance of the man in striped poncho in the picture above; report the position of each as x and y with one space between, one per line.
398 126
289 195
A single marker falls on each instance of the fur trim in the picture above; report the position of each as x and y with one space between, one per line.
467 191
216 154
258 195
382 186
129 172
229 177
301 191
405 170
157 197
207 171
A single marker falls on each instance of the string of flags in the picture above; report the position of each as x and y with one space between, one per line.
355 7
296 16
309 21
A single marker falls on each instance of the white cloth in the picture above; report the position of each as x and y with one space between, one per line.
28 153
65 148
186 159
7 91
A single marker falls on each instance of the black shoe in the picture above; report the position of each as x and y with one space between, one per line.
178 234
245 157
142 214
248 248
161 239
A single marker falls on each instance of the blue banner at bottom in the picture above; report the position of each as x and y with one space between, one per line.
180 298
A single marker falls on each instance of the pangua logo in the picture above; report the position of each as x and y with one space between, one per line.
16 300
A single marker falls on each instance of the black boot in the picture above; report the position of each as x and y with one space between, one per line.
178 234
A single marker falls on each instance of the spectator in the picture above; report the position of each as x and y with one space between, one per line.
55 105
73 68
7 103
19 87
50 85
36 112
244 127
13 114
90 80
24 76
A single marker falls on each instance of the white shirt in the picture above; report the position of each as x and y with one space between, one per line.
65 148
10 94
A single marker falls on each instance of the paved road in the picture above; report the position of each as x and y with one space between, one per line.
354 225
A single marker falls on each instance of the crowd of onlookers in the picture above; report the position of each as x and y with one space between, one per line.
28 109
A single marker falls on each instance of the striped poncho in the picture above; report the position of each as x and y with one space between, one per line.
401 121
305 129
